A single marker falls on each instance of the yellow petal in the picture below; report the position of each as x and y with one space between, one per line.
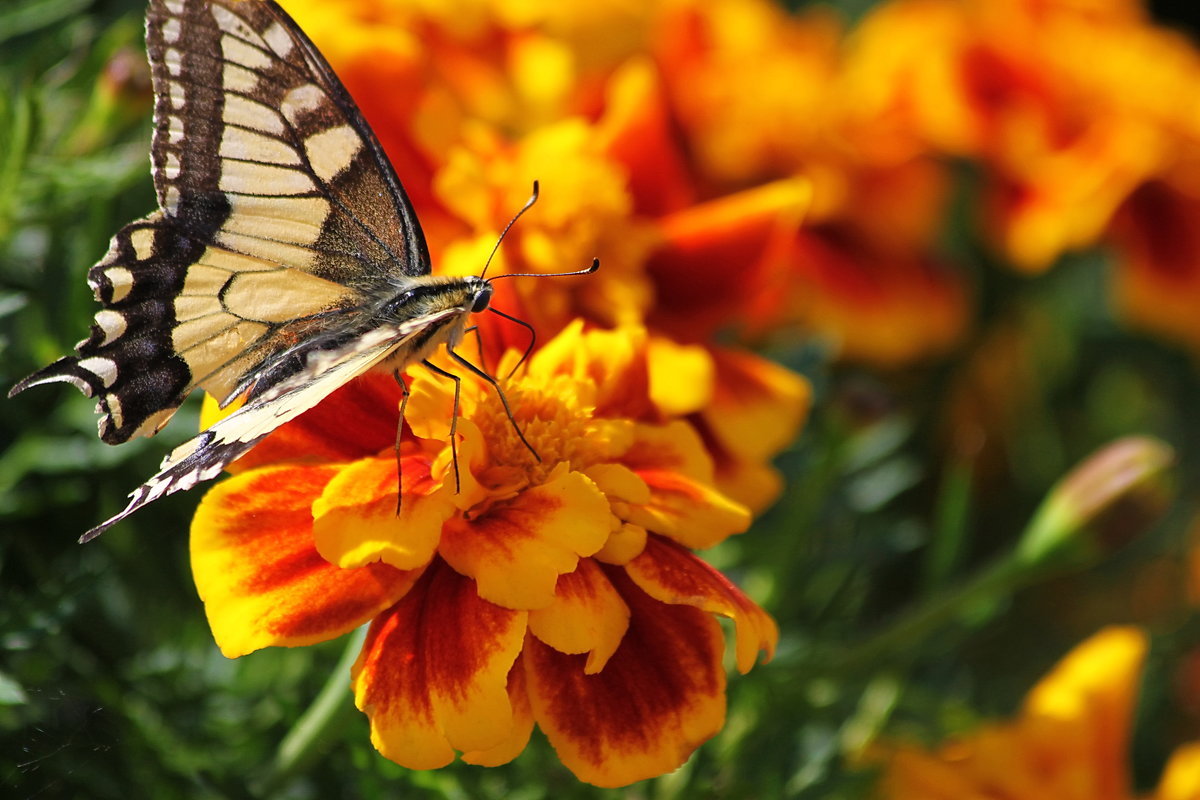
517 549
587 616
355 519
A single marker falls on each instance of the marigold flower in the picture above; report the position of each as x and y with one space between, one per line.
1068 106
560 591
1070 740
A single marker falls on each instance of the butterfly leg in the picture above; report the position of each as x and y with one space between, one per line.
503 399
400 430
532 339
435 369
478 344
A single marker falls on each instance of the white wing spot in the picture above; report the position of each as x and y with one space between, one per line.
143 243
232 23
174 130
277 39
112 323
121 281
250 146
249 178
237 78
171 170
178 96
331 151
174 61
103 368
171 201
114 410
301 99
171 29
175 6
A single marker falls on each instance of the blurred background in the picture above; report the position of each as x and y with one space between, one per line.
998 277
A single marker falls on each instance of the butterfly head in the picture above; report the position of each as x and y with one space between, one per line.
482 295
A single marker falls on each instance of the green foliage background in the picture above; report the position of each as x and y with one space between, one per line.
111 687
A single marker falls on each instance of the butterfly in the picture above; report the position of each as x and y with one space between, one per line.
284 259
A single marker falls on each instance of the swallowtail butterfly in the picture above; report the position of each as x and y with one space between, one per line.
284 259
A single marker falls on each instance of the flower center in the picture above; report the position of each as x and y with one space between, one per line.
555 417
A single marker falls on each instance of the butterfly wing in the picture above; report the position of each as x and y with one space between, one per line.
281 230
203 457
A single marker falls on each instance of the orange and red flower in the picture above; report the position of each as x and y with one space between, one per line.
512 588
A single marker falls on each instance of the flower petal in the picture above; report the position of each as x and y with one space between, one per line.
674 447
660 696
1181 778
260 577
758 406
587 616
681 376
683 505
698 288
1093 689
637 132
688 511
517 549
623 545
668 573
355 519
433 673
513 744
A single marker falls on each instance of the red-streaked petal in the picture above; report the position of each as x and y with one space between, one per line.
671 574
673 447
672 461
758 406
259 575
660 696
587 616
697 286
433 673
355 520
517 549
514 743
357 420
637 132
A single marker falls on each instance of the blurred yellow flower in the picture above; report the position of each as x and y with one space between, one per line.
1070 741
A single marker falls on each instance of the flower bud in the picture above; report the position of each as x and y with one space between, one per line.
1110 499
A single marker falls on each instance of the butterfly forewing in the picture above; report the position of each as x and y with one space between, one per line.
282 226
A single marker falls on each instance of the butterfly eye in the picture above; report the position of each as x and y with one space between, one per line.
482 298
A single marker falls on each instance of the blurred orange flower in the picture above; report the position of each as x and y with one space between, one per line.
1070 741
511 589
685 152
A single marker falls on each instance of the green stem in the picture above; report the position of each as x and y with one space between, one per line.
911 629
319 726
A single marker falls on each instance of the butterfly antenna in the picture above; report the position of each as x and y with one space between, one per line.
528 205
595 265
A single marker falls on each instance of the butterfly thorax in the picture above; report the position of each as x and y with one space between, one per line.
436 309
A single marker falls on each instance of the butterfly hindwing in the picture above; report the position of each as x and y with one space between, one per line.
205 456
